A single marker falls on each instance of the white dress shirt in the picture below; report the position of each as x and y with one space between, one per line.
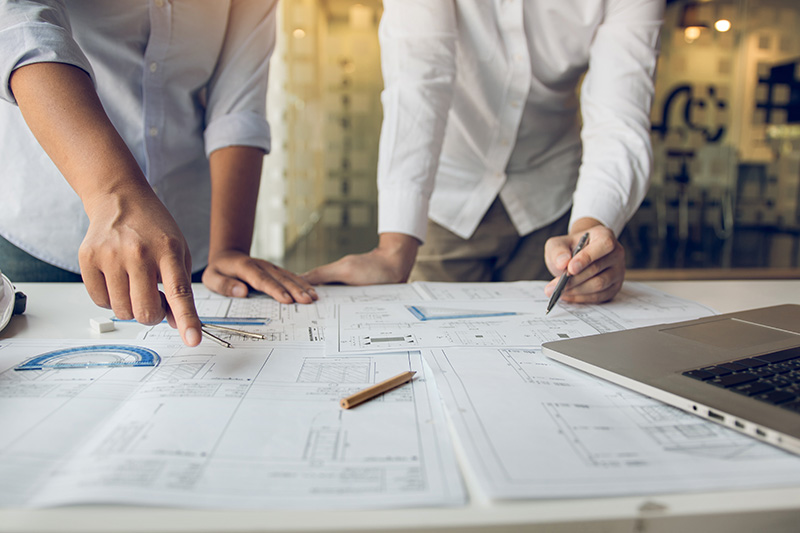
178 79
480 100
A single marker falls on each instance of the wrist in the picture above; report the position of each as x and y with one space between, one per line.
400 250
398 243
584 224
122 195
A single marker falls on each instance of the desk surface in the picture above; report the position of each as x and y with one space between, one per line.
63 311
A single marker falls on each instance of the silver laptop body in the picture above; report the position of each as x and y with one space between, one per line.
653 360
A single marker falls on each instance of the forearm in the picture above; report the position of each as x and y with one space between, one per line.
235 177
63 111
132 241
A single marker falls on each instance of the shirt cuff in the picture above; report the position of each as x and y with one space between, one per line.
237 129
403 211
26 44
601 206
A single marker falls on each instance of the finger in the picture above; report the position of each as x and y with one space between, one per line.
118 288
610 265
606 293
167 311
600 278
225 285
145 296
178 291
95 284
280 284
557 253
330 273
296 282
601 244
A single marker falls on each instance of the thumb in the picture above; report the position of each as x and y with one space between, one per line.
323 274
557 254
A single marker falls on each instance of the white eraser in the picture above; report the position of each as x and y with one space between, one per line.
101 324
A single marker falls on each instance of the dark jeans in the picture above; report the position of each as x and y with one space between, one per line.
21 267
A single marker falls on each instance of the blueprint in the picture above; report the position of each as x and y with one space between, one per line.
156 423
438 290
479 320
533 428
281 324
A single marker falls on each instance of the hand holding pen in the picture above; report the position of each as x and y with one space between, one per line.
562 282
595 273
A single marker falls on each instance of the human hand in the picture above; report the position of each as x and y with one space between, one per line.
390 262
133 243
230 272
597 271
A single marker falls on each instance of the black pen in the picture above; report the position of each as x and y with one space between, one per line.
565 276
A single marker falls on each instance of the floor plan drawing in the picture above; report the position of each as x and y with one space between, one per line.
498 322
218 428
552 431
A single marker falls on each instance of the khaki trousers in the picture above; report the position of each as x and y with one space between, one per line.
495 252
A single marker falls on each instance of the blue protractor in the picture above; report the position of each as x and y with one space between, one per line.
101 355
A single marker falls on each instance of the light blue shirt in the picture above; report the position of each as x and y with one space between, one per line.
178 79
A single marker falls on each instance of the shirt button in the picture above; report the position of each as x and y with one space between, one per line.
504 142
153 67
159 3
515 103
153 131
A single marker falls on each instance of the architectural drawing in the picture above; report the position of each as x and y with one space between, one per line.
217 428
549 431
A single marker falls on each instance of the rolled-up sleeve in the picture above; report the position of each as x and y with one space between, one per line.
35 32
237 92
418 47
615 103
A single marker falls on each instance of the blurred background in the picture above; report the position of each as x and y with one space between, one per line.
725 193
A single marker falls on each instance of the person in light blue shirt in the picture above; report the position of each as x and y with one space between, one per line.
132 135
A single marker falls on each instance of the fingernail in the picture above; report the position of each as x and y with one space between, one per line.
563 258
312 292
239 291
192 337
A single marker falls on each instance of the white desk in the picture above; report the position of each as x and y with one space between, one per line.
63 311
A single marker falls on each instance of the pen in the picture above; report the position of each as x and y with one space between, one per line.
375 390
562 282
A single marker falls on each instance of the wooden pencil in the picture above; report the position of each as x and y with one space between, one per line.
376 390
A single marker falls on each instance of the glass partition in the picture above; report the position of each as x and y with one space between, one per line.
726 137
725 194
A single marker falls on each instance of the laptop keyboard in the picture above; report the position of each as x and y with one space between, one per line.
773 378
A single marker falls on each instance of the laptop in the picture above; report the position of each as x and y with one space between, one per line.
741 370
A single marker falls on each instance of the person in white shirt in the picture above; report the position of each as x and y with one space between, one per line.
485 134
154 112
